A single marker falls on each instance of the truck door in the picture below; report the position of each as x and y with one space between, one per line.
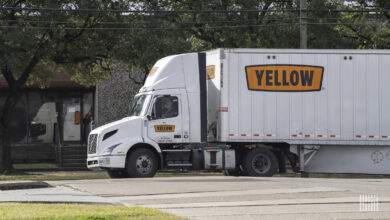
165 124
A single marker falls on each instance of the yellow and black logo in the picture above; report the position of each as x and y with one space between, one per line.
284 78
164 128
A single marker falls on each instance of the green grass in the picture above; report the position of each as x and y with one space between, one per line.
51 176
68 175
35 166
78 211
191 173
336 175
47 176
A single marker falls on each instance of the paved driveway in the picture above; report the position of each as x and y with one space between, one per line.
248 197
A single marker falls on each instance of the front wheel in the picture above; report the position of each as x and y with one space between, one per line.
142 163
260 162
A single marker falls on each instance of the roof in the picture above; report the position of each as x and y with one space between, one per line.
304 51
60 81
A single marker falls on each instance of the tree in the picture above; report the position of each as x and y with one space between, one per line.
368 30
36 43
247 29
152 38
324 34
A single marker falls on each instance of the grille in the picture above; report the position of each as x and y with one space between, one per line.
92 142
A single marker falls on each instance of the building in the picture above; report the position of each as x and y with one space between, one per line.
51 125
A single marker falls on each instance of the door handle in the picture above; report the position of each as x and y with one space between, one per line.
177 136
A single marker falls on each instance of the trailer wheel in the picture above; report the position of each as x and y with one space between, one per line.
142 163
116 174
260 162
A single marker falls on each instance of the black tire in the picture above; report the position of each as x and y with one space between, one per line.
142 163
116 174
260 162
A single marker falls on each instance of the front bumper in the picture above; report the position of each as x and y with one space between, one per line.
97 162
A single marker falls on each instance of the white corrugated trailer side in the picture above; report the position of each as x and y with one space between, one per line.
332 125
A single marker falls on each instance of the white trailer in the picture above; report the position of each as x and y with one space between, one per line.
246 110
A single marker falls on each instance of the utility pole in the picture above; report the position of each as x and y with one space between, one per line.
302 24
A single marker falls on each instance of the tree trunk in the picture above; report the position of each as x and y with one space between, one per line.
5 140
5 150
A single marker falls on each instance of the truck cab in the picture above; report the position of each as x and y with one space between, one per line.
168 113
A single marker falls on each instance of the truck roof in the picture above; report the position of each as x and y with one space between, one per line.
303 51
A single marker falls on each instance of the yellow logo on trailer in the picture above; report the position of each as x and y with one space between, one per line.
284 78
164 128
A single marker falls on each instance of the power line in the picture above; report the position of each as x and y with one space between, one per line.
296 10
144 22
173 28
148 11
24 21
141 28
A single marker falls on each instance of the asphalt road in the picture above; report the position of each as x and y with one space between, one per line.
248 197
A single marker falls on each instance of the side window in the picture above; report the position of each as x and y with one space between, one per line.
165 107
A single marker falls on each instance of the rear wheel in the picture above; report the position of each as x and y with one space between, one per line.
260 162
142 163
115 174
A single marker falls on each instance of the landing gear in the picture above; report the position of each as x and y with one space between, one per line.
116 174
142 163
235 172
260 162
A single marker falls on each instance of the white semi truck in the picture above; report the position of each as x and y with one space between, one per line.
248 111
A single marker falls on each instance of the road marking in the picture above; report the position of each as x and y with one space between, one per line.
229 193
276 202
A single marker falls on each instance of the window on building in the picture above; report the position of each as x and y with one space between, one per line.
42 117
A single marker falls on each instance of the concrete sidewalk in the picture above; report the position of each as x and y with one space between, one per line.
226 198
56 194
232 198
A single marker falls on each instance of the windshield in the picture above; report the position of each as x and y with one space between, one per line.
136 105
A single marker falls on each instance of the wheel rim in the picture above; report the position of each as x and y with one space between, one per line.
144 164
261 163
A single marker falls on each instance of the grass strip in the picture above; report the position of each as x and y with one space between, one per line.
68 175
35 166
50 176
79 211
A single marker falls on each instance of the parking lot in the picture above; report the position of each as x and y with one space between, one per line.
220 197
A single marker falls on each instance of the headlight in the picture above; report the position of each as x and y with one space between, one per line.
109 150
